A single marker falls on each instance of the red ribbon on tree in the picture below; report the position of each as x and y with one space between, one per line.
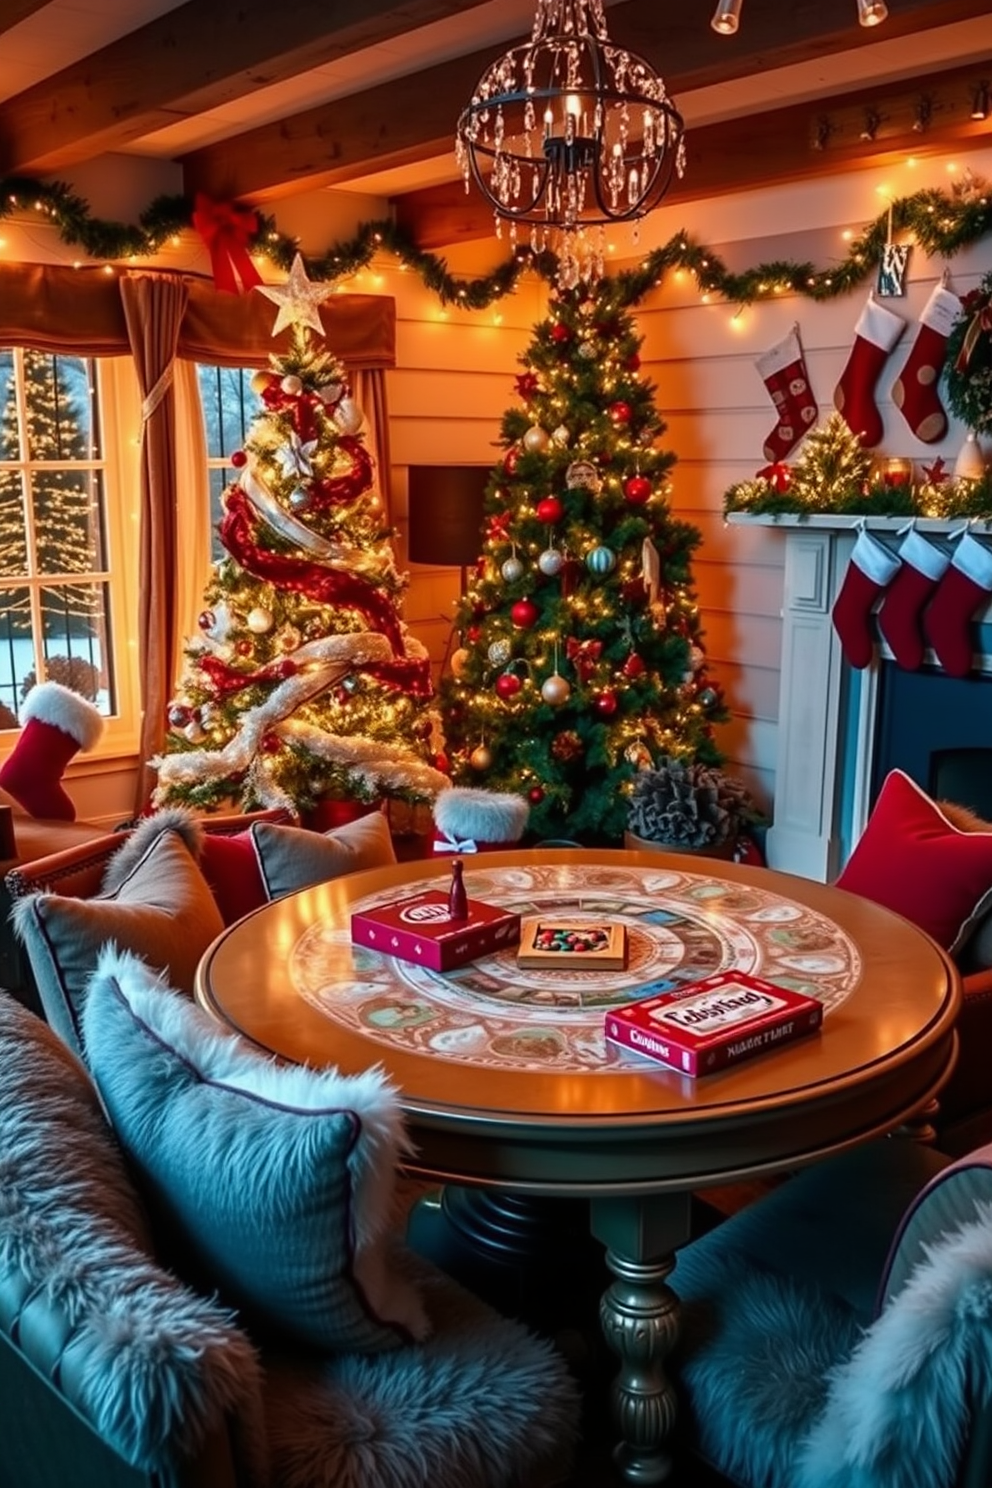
412 677
227 229
583 655
227 679
979 307
323 585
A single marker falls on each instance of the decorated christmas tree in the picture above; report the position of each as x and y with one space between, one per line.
303 688
581 659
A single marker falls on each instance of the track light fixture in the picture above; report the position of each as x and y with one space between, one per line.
980 102
869 128
727 17
872 12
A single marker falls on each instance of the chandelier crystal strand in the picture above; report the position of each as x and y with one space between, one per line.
568 132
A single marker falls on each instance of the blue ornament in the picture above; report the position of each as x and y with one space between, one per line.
600 560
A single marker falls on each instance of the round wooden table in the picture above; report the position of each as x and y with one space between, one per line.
509 1089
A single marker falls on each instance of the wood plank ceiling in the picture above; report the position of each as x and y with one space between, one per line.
255 103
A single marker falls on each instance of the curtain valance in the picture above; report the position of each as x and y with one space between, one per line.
79 312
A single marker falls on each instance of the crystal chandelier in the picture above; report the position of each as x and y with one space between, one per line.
569 132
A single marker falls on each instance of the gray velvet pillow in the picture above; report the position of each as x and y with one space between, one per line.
161 908
151 1366
291 858
274 1181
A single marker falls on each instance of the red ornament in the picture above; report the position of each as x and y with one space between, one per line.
634 666
527 385
633 362
508 684
637 489
510 460
244 648
620 412
239 459
442 763
605 703
472 634
560 333
524 613
550 510
206 620
535 795
778 476
270 744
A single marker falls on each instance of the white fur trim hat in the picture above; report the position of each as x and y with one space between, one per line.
466 818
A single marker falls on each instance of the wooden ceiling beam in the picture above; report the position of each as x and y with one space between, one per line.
201 55
787 144
413 118
15 11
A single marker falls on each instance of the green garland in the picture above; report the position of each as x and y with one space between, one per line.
942 222
968 363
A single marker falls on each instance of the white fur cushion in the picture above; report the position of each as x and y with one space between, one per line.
276 1181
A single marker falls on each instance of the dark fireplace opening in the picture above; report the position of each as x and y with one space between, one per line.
938 729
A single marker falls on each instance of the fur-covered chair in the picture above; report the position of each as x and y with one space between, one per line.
838 1333
277 1366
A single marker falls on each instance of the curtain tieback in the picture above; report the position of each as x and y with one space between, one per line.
158 392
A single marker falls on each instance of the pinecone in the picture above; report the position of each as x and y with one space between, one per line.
691 805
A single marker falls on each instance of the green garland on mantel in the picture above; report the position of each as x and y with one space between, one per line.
943 222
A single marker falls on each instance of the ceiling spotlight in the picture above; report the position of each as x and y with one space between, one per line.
872 12
924 115
980 102
727 17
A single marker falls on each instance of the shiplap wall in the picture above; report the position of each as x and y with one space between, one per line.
701 359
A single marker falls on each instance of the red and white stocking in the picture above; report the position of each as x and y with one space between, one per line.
947 619
876 333
55 724
870 571
914 391
783 371
900 618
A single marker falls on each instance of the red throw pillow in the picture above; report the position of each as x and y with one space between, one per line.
230 866
913 860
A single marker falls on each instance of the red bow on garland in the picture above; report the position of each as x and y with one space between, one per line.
527 385
583 655
227 230
778 476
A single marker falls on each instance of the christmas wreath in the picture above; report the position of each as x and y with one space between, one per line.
968 364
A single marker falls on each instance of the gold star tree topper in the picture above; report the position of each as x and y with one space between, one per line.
298 299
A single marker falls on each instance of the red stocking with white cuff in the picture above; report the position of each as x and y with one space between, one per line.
55 724
783 371
900 618
876 333
914 391
947 619
870 571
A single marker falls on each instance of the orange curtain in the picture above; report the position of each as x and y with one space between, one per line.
153 311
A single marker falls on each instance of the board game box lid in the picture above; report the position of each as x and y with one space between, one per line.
715 1008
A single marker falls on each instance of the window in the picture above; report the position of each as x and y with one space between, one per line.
229 406
61 610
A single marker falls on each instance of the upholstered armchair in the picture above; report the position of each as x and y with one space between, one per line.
164 890
838 1333
202 1291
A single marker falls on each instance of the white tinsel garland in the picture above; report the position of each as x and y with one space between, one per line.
376 761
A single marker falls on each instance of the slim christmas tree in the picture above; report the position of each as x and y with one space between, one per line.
63 520
581 658
303 684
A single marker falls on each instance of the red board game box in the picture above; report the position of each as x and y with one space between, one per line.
714 1022
421 929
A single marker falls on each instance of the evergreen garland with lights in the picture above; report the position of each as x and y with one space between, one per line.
581 659
303 684
942 223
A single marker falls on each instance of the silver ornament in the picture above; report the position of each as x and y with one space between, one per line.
330 393
499 653
587 351
512 570
259 620
299 499
536 440
194 731
560 437
291 384
550 562
556 690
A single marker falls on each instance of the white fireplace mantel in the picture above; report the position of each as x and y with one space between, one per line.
826 722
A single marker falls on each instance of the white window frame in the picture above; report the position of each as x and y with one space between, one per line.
120 426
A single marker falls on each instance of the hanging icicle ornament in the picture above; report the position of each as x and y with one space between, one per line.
651 570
